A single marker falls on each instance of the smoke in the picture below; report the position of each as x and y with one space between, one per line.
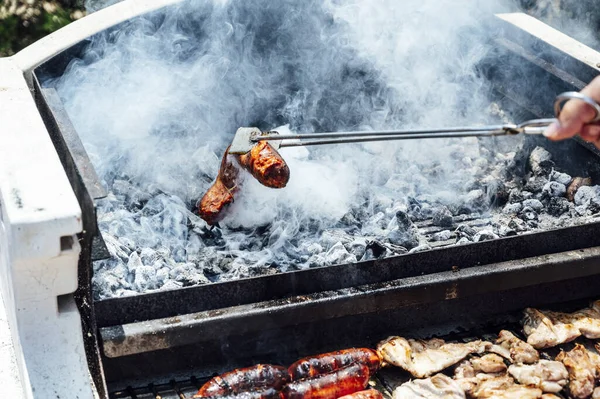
157 101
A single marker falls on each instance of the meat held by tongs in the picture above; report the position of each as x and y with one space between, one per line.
262 161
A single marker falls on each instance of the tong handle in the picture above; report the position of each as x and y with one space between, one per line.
573 95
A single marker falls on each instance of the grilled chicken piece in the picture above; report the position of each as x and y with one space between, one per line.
548 375
502 387
490 363
514 349
439 386
582 371
424 358
546 329
596 393
550 396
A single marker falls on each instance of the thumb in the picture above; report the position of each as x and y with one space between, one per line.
575 114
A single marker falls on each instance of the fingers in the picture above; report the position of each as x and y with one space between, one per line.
574 115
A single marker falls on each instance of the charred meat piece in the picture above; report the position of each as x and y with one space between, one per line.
263 162
515 349
366 394
548 375
582 371
266 165
344 381
212 205
327 362
245 379
575 184
439 386
264 393
424 358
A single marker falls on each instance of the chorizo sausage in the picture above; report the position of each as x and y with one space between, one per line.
212 205
314 365
245 379
344 381
366 394
266 165
264 393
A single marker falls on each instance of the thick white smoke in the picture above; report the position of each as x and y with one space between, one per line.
157 101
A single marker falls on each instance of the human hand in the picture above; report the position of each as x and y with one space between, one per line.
574 117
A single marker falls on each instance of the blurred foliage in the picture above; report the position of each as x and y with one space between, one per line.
22 22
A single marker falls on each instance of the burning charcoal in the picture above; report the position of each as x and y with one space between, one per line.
540 161
463 240
586 194
561 178
526 195
357 247
536 184
512 208
420 248
528 213
464 230
375 248
442 217
162 275
554 189
505 231
496 190
134 262
475 201
575 185
145 278
442 235
485 235
148 256
350 220
515 195
188 275
534 204
171 285
558 206
338 255
407 238
331 237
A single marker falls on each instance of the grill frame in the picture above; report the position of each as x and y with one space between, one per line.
355 284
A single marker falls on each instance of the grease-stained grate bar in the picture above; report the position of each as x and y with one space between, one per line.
172 390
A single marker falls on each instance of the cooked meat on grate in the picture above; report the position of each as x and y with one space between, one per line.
366 394
266 165
546 328
424 358
548 375
502 387
596 393
249 378
550 396
439 386
344 381
263 162
514 349
490 363
324 363
582 371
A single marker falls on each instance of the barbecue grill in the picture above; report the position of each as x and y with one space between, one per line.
164 344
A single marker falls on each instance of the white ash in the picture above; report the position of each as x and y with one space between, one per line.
157 103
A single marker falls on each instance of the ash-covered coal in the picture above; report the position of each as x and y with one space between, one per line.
157 101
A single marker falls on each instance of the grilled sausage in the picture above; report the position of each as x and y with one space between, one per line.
344 381
314 365
264 393
220 194
245 379
366 394
266 165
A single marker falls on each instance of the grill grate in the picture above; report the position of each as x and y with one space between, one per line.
172 390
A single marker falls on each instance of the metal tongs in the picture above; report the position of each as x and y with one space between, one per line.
246 138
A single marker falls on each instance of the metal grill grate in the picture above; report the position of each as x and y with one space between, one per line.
171 390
